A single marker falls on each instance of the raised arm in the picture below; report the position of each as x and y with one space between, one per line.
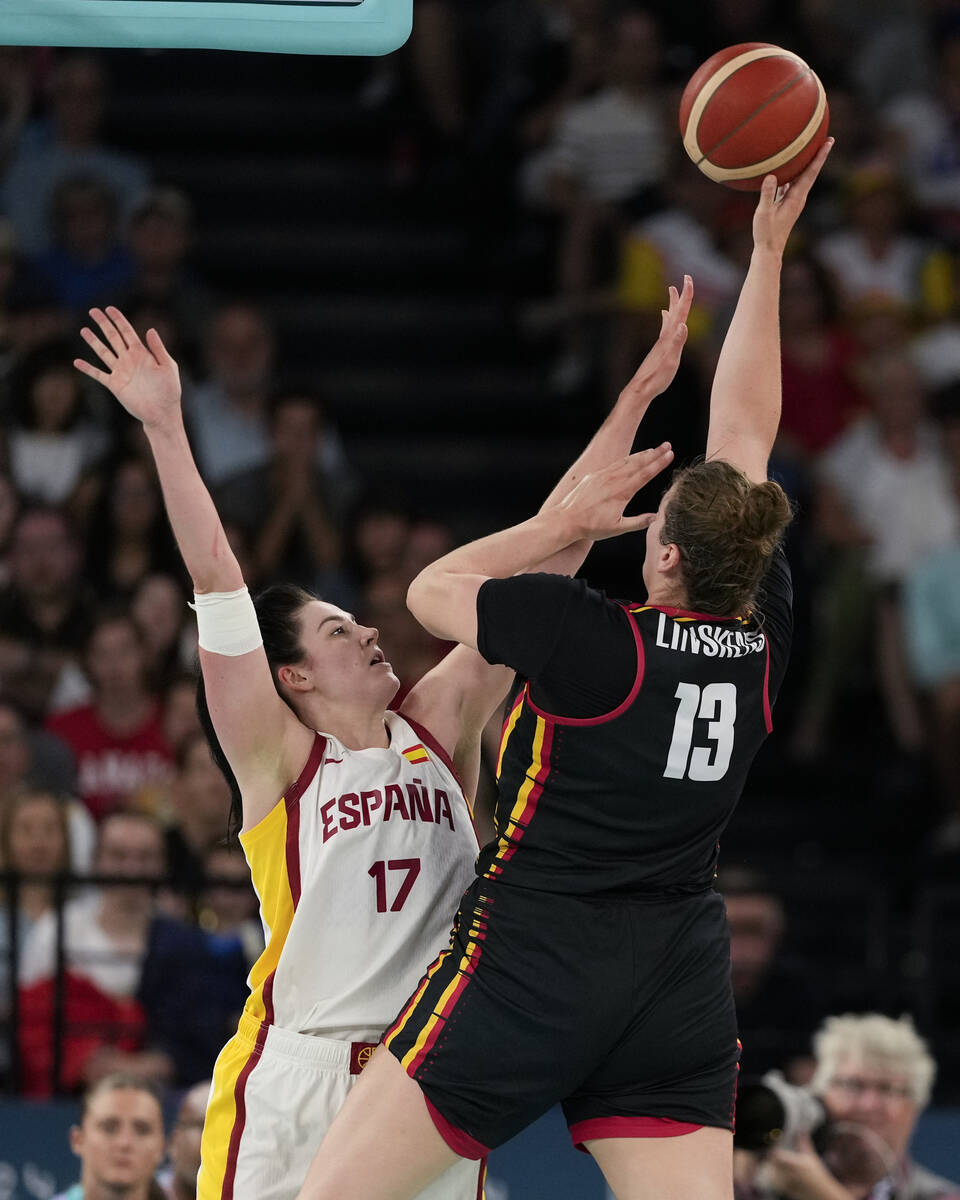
457 698
614 439
746 395
443 597
265 744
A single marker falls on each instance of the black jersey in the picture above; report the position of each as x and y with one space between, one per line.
630 732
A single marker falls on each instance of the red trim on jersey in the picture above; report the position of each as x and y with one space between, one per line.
292 850
459 1142
683 612
291 799
233 1151
628 1127
621 707
466 974
481 1178
767 714
530 808
268 998
311 767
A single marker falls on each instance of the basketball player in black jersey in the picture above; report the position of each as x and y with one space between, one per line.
590 958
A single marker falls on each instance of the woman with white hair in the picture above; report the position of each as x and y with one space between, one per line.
874 1075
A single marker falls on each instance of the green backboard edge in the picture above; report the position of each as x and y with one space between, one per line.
370 28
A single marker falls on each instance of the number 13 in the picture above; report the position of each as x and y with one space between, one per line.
717 704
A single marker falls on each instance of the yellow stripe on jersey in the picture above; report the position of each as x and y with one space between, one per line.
508 729
265 847
415 754
405 1015
523 797
221 1116
445 1003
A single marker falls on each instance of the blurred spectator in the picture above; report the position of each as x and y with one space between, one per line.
378 538
875 255
411 650
687 237
119 1141
117 739
144 993
777 1008
179 1179
885 499
925 127
604 166
34 760
33 315
288 508
9 507
932 626
428 540
9 264
610 148
45 611
160 237
936 349
159 607
130 535
229 413
200 808
86 263
545 56
180 718
192 989
53 444
67 144
228 903
34 841
820 395
105 940
874 1075
16 96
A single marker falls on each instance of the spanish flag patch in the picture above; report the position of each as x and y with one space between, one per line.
416 754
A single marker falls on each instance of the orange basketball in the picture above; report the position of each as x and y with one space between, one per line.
753 110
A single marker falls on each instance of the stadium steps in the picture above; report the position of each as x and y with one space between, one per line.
381 288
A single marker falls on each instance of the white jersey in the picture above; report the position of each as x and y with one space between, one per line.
359 869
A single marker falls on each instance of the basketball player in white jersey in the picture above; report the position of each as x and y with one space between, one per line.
359 838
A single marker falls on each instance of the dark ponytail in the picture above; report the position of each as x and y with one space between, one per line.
278 615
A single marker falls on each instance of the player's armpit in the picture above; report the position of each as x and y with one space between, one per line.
748 452
455 701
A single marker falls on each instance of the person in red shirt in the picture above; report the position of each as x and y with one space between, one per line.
118 739
820 394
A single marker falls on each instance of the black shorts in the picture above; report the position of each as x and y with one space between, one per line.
620 1008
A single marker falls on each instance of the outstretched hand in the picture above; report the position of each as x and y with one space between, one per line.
144 378
779 207
657 371
596 504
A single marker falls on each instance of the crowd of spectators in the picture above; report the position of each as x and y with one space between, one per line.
562 112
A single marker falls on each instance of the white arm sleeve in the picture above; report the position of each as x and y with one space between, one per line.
227 622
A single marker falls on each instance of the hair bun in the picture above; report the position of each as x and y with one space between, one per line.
764 516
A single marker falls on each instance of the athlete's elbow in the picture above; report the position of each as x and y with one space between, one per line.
420 593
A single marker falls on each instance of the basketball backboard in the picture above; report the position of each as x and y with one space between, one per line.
280 26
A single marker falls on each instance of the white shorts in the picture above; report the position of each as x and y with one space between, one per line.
273 1097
